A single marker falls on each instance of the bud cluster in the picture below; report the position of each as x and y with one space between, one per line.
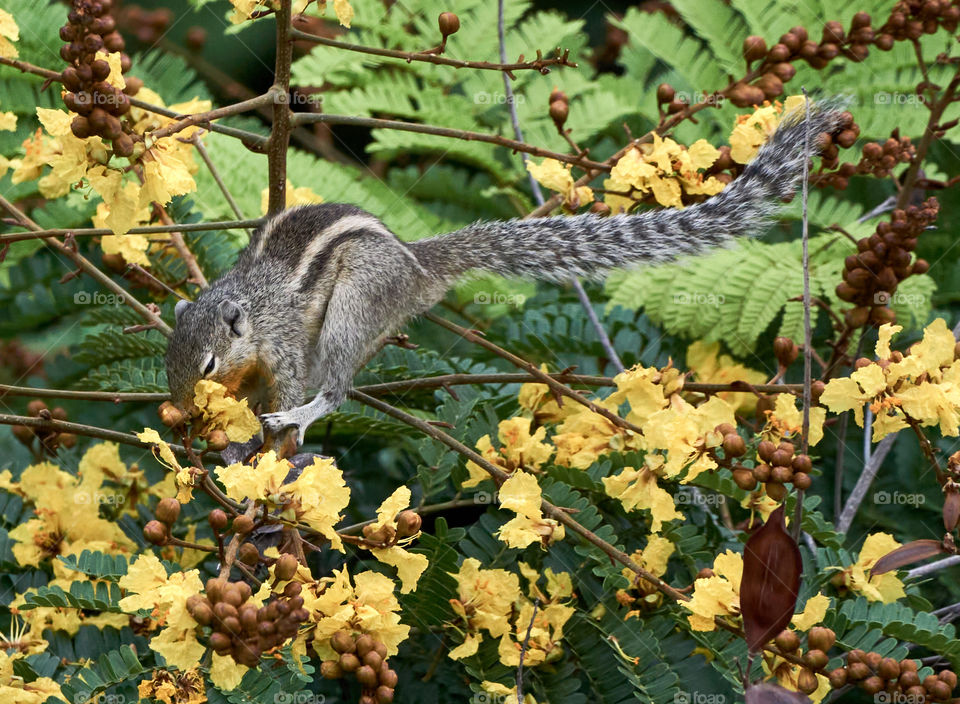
50 440
408 525
90 29
884 259
873 673
241 629
819 641
779 465
364 657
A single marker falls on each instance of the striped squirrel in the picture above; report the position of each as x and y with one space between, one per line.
319 287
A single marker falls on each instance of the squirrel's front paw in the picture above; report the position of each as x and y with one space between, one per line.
275 423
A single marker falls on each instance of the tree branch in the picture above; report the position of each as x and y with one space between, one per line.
282 117
145 230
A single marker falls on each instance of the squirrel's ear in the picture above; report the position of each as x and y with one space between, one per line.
234 316
179 309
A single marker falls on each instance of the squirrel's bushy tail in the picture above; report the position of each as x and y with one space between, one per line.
589 245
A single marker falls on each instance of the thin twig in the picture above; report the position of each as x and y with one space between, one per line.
859 492
807 330
211 167
111 396
526 639
144 230
539 64
189 259
554 385
86 266
302 118
207 117
933 567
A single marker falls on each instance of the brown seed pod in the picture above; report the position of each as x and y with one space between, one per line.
168 511
787 641
449 24
754 48
367 677
821 638
331 670
155 532
243 525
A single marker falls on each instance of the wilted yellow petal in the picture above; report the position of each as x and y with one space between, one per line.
813 612
409 565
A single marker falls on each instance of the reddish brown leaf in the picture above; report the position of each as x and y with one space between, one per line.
951 508
906 554
770 693
771 580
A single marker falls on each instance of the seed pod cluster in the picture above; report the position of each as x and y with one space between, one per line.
90 28
167 512
408 524
778 466
819 641
911 19
883 260
874 673
878 159
49 440
364 657
241 629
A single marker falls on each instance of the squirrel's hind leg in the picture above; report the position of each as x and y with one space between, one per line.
357 315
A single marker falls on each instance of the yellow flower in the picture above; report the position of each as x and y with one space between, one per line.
368 606
176 687
521 494
322 494
718 595
555 176
409 565
224 412
686 432
262 482
787 419
711 367
8 121
752 131
813 612
885 587
518 449
788 673
184 477
583 437
485 602
924 385
9 32
294 196
638 489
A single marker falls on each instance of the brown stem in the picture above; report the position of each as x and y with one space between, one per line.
111 396
466 135
282 117
189 259
230 555
926 447
86 266
206 118
211 167
539 64
532 369
145 230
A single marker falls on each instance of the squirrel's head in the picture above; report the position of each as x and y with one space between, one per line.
211 340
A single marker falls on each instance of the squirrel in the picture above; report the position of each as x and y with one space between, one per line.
318 287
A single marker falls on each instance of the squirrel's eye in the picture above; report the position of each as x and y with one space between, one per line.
211 365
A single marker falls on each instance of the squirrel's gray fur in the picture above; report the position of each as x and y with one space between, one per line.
318 287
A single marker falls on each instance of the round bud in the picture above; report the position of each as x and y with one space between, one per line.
217 440
381 649
802 481
286 566
821 638
807 681
785 350
744 479
888 669
787 641
123 147
218 519
838 677
349 662
781 458
331 670
665 93
365 644
449 23
155 532
857 671
780 53
388 677
373 659
762 472
777 492
872 685
384 694
80 127
408 523
784 71
803 464
781 475
202 613
249 554
170 415
948 676
558 112
242 525
35 407
766 449
342 642
168 510
220 641
67 440
367 677
754 48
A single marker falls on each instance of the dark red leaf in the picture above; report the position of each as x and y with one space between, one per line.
771 580
951 508
906 554
770 693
